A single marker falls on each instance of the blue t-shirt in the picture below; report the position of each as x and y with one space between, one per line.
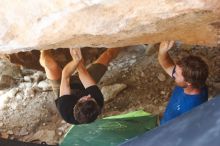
180 103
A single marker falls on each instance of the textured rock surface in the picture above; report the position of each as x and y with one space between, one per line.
111 91
30 59
28 25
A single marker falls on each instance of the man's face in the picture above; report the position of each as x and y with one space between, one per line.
179 79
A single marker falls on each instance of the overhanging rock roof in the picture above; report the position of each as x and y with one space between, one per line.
27 25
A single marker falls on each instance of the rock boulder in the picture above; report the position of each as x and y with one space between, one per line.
29 25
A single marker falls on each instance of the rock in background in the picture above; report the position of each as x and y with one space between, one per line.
25 106
9 74
110 92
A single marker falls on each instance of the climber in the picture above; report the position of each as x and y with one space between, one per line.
79 98
190 74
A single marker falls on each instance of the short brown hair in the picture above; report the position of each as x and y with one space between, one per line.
86 112
194 70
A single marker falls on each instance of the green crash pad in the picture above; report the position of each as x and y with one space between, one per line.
110 131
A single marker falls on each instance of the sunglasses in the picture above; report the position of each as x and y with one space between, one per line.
174 71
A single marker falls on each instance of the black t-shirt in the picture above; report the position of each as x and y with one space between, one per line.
66 103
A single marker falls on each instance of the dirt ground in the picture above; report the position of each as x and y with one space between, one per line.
148 88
